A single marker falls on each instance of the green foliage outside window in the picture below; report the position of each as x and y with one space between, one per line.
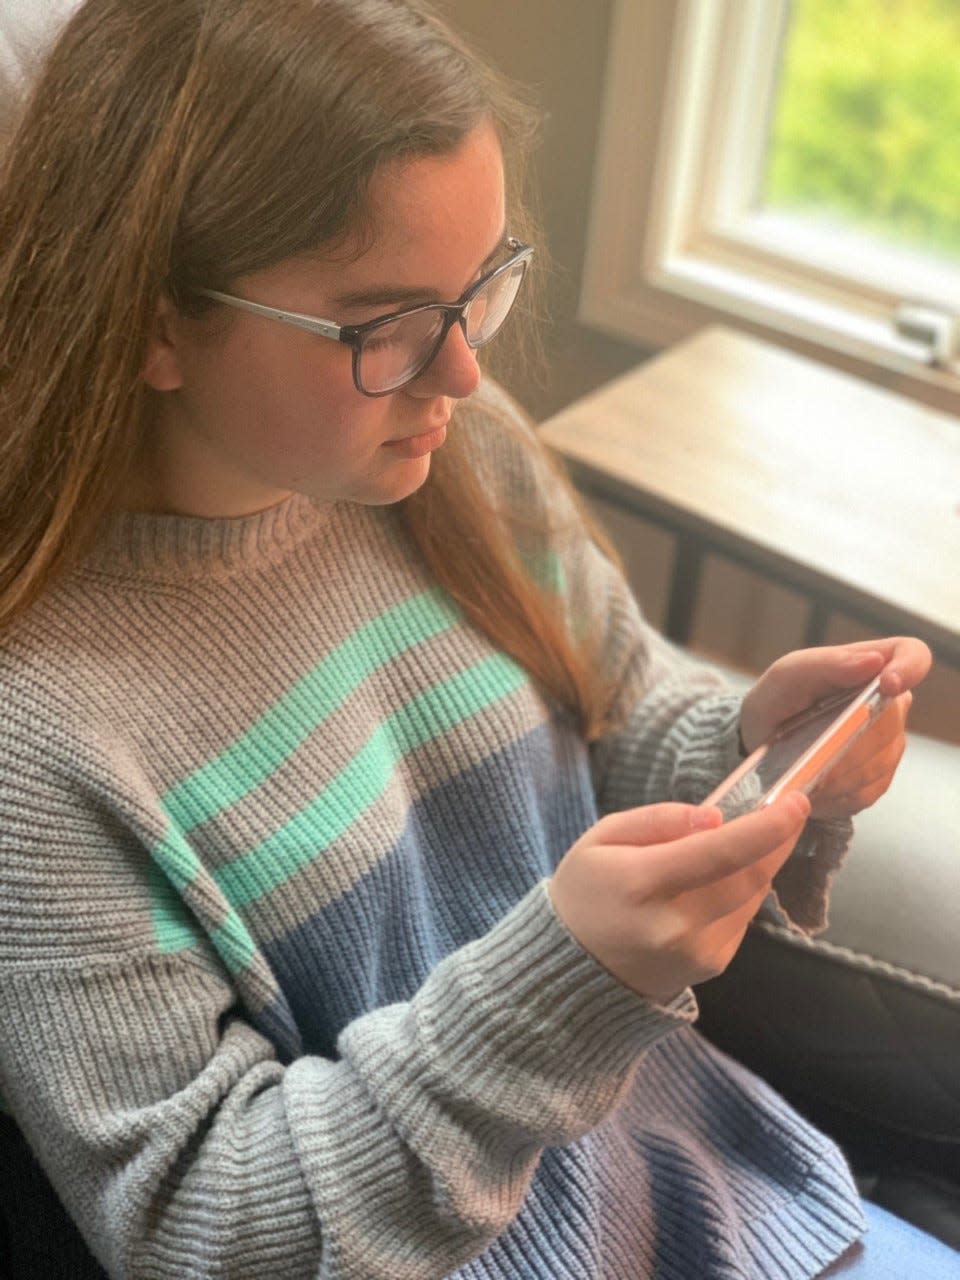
866 129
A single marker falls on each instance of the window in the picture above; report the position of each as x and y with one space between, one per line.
791 166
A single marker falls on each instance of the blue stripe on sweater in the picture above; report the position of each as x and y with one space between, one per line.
214 897
457 868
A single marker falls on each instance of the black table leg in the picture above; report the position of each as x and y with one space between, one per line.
817 619
687 565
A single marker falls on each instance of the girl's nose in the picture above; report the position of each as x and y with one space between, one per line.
453 372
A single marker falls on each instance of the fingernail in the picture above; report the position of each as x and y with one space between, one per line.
800 804
705 818
894 683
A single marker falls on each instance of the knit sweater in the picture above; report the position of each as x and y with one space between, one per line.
282 992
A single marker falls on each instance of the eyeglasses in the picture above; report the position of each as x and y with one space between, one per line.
394 349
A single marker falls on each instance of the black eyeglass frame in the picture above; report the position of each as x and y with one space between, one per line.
355 334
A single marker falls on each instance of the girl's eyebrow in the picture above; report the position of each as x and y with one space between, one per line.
384 295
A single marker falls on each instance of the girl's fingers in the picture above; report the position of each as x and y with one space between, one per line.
721 940
845 780
846 803
886 730
799 679
727 899
903 660
908 661
865 773
643 909
713 856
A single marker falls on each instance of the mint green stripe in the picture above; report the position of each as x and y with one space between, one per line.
179 863
175 869
244 765
282 855
174 927
234 944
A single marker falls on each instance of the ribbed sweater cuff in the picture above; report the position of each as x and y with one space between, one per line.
527 1025
516 1041
802 886
569 1020
709 745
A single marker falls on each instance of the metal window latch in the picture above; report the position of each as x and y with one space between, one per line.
936 331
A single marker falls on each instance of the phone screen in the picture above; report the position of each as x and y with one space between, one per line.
801 753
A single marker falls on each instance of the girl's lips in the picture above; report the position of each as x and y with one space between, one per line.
418 446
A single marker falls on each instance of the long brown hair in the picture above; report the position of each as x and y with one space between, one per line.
172 145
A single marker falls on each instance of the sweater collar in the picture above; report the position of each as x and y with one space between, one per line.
171 546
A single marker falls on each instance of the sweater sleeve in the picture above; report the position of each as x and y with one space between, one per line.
179 1141
677 717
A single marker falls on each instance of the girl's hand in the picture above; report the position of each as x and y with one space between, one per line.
661 896
799 679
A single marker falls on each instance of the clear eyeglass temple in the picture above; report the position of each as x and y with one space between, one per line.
310 323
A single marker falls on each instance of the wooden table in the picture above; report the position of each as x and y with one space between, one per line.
845 492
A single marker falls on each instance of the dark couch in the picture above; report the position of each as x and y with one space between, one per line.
860 1027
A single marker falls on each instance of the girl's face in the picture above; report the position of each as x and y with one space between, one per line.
253 410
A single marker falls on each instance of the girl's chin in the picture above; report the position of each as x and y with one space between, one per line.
394 483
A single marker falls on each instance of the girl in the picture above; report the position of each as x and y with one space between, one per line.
353 877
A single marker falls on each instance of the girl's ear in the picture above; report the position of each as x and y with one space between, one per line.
161 369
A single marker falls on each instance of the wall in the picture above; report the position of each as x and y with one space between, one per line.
557 49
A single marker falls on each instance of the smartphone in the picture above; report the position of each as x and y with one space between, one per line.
801 752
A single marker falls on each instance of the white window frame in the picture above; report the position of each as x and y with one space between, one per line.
673 245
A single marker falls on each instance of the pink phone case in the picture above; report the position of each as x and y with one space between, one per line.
801 752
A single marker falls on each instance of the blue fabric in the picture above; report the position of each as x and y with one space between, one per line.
895 1250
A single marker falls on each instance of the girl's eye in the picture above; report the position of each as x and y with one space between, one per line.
382 342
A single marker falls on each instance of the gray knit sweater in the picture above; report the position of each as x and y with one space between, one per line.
281 990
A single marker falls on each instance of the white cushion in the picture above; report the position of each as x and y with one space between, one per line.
26 29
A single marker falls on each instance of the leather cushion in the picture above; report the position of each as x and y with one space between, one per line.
860 1026
897 898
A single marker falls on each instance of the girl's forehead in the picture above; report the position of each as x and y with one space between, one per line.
438 197
430 223
428 215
